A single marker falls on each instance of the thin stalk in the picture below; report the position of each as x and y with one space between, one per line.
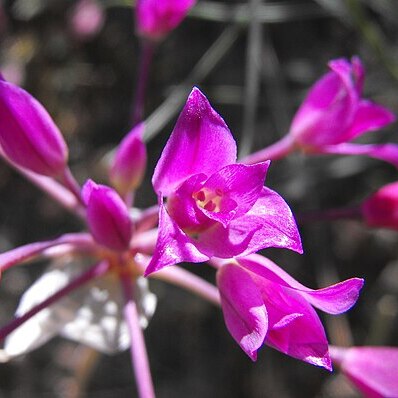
212 57
180 277
92 273
80 242
146 56
252 80
276 151
189 281
70 183
147 219
139 356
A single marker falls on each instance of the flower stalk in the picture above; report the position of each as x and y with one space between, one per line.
96 271
139 355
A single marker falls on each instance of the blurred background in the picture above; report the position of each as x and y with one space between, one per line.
255 61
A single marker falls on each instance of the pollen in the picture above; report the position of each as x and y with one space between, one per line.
208 199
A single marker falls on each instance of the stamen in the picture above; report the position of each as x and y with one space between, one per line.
208 199
210 205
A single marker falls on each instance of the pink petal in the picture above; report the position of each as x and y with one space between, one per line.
173 245
381 208
28 135
154 18
333 299
194 145
294 326
228 242
183 209
269 223
128 168
244 312
277 225
369 117
241 183
386 152
373 370
326 112
107 216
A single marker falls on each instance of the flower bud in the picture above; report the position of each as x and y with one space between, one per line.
373 370
107 216
156 18
381 208
28 135
128 168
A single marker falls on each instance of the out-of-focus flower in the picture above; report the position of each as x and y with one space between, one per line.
334 113
28 135
72 299
129 164
86 19
263 304
92 315
214 207
381 208
156 18
373 370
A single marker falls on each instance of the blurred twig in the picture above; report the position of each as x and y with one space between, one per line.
373 35
252 80
272 12
162 115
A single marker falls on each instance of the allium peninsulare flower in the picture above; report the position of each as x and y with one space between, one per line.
28 135
261 304
373 370
107 216
333 113
156 18
381 208
215 207
128 167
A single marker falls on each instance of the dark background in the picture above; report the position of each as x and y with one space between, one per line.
87 85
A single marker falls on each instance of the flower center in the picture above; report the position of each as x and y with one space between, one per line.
208 199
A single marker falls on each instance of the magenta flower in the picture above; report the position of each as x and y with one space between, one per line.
107 216
128 167
373 370
156 18
381 208
28 135
214 206
261 304
334 113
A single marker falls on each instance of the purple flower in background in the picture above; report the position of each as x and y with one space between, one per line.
214 206
156 18
263 304
128 167
381 208
28 135
333 113
373 370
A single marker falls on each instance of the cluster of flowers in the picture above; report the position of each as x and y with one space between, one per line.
211 208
